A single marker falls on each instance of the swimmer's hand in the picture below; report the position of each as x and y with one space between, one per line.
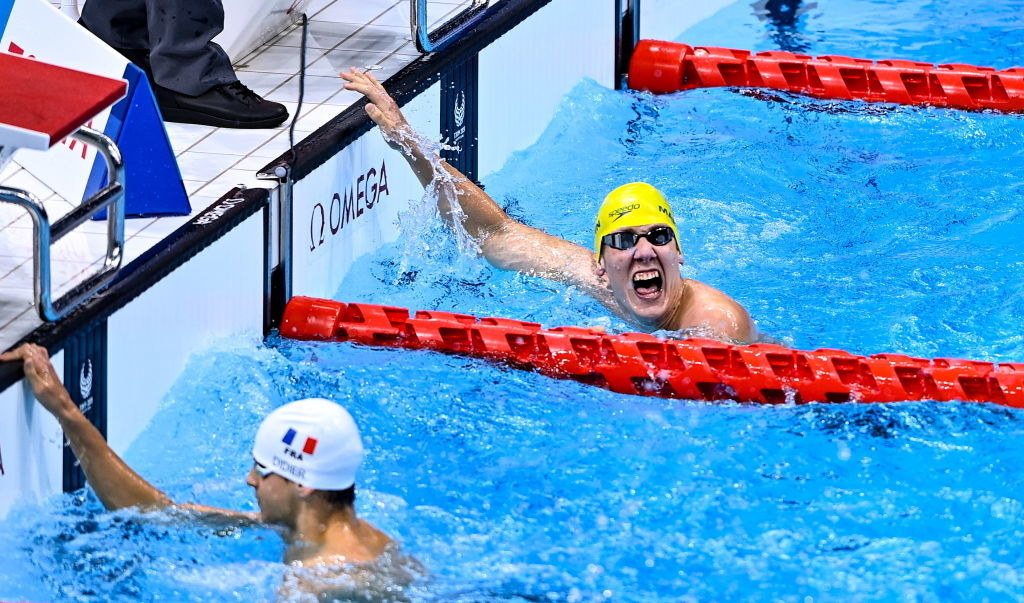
382 109
46 385
421 153
116 484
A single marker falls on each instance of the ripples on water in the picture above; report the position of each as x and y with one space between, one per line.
870 228
512 486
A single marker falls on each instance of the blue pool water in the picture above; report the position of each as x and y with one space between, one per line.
841 225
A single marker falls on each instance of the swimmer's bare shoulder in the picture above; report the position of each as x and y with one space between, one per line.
713 309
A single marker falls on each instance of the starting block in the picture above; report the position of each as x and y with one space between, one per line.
43 105
35 29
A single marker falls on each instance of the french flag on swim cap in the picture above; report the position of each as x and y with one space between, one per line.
307 448
290 435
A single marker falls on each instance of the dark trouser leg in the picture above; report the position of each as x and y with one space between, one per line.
193 78
181 51
119 23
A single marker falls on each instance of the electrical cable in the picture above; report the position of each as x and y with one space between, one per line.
302 87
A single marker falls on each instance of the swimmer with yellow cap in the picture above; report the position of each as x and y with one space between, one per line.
635 204
633 269
631 241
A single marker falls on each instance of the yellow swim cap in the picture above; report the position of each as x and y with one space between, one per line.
634 204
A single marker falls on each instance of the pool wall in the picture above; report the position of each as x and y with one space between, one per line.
346 208
130 343
227 273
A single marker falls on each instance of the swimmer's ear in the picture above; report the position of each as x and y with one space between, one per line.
599 270
305 492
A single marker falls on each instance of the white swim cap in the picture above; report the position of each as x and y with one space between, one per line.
313 442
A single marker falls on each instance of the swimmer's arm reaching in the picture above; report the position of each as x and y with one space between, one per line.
505 243
115 483
483 217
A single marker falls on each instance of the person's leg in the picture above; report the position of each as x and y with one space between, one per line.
194 80
192 77
122 25
119 23
181 49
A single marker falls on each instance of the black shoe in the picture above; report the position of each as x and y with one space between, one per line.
225 106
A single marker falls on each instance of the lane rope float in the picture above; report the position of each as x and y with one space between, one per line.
664 67
642 364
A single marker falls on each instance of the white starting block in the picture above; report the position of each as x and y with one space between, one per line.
35 29
41 106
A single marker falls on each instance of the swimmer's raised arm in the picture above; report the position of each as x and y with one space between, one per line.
505 243
483 216
384 111
116 484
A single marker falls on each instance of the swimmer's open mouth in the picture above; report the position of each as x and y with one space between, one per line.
647 283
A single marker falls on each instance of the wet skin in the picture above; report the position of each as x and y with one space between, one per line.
645 279
275 496
642 284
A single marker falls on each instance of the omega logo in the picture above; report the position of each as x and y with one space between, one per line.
363 194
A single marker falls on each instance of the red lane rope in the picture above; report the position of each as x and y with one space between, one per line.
642 364
663 67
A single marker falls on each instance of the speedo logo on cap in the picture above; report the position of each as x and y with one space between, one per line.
618 213
308 447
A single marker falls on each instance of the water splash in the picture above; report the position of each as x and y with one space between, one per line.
422 234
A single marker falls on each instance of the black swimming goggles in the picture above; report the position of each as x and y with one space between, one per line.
662 235
262 470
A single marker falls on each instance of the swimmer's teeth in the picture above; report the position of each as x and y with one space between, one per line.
640 277
647 282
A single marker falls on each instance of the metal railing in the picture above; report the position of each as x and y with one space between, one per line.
110 197
450 31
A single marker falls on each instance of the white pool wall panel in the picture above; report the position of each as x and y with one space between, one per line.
525 74
330 235
217 294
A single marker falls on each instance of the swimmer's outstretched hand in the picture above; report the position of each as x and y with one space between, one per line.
382 109
46 385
